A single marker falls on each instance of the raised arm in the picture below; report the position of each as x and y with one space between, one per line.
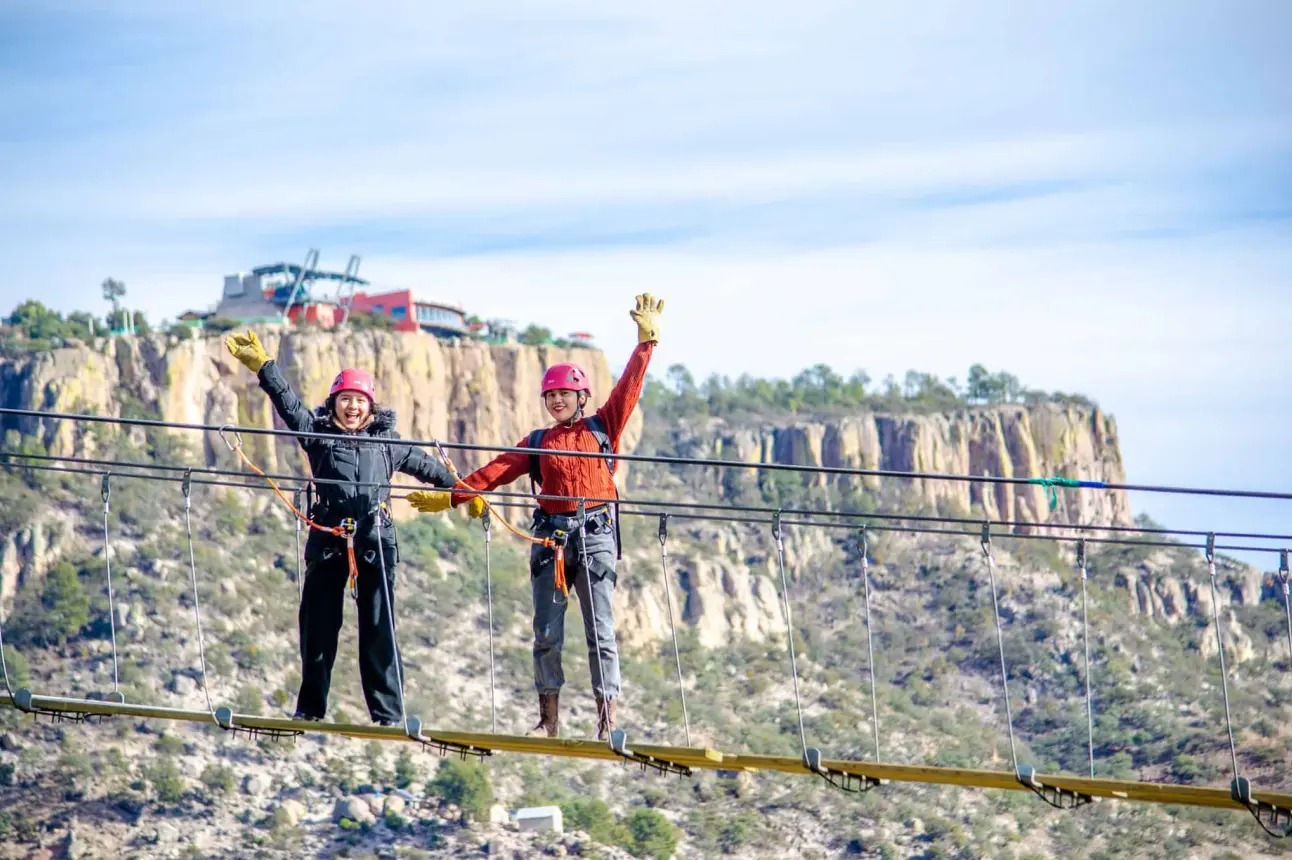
246 348
623 397
295 414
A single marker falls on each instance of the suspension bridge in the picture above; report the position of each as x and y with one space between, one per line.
1271 809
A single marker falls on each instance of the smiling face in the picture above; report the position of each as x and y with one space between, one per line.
563 404
351 409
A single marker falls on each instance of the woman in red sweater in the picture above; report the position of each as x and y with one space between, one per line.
592 548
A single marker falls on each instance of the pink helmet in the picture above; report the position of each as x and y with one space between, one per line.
565 375
359 381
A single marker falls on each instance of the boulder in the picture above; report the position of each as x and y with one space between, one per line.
353 808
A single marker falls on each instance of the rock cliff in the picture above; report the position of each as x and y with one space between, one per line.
450 391
1012 441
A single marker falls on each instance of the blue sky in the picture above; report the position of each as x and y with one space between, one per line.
1096 196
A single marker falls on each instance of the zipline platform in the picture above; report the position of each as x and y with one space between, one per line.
479 743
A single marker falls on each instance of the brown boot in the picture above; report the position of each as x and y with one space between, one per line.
548 715
605 718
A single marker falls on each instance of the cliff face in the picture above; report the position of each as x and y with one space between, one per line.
1012 441
454 392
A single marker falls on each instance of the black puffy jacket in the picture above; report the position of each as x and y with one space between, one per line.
347 457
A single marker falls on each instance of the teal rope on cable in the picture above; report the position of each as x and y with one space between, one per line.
1052 483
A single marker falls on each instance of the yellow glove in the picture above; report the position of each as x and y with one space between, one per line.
246 348
476 507
430 501
646 315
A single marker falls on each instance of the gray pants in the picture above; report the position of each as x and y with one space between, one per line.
594 587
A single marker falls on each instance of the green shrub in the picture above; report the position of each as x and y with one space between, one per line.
651 834
218 778
65 603
406 771
165 778
593 817
169 745
249 701
465 784
17 666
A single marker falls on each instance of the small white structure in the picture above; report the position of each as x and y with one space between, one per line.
539 818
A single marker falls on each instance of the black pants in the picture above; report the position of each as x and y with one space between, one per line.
322 608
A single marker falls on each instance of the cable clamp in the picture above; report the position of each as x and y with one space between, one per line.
1059 798
619 745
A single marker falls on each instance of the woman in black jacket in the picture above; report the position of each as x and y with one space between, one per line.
353 491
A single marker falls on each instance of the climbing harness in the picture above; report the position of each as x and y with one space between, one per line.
601 433
870 645
1059 798
485 523
559 540
348 529
672 624
1085 639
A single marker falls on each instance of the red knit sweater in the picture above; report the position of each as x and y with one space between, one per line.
585 477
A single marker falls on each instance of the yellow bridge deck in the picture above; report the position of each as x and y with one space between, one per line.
1143 792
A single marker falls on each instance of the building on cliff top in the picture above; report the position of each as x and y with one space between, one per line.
268 293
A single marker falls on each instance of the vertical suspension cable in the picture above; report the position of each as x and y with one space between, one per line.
1287 600
187 487
486 524
1000 641
870 644
105 490
1220 646
4 667
1085 638
789 624
388 597
668 594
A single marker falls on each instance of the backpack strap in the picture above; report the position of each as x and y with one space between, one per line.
535 440
598 429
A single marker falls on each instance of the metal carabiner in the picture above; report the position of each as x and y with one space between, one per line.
232 446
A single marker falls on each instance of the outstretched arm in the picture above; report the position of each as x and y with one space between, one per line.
416 462
623 397
499 471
